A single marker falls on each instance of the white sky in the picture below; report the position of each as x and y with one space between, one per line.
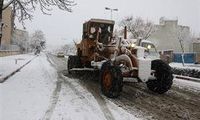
63 27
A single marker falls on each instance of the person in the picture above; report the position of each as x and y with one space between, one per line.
105 34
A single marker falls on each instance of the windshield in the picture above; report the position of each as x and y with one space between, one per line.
150 48
105 32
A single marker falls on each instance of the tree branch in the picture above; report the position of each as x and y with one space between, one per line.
9 3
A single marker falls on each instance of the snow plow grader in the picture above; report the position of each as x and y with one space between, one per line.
117 59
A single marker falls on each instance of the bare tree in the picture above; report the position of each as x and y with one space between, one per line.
184 39
23 9
138 27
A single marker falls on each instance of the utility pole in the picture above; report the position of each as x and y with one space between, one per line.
111 11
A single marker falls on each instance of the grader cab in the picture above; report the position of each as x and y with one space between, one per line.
94 31
117 59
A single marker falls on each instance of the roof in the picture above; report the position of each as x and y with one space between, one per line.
102 21
147 41
196 40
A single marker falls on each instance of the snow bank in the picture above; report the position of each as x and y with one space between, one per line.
11 63
185 84
187 66
191 70
26 95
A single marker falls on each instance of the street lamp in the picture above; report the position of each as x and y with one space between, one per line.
111 10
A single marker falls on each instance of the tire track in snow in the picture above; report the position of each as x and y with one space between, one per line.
173 96
54 100
100 100
93 88
55 95
102 104
171 105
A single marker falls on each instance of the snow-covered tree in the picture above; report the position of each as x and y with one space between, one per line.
138 27
38 40
68 49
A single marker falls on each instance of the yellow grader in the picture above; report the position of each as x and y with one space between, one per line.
117 59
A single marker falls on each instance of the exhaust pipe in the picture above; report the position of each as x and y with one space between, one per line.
125 32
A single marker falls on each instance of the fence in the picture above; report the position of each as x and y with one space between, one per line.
188 57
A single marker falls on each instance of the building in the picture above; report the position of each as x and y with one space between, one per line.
196 48
196 45
168 34
7 28
20 38
13 41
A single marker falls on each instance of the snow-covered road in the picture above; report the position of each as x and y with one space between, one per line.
181 102
76 102
43 90
40 92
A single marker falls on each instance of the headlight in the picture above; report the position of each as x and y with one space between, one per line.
149 47
133 45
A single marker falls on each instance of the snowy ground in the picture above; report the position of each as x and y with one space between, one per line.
9 64
43 91
25 96
186 84
39 92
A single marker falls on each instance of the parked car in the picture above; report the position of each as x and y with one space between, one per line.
60 54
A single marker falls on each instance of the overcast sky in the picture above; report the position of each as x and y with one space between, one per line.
62 27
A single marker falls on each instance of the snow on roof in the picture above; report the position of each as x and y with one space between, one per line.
147 41
196 40
102 21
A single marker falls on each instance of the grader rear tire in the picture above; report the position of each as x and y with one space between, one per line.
164 77
73 62
111 80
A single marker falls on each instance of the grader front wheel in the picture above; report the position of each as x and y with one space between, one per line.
164 77
111 80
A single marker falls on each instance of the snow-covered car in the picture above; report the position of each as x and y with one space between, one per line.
60 54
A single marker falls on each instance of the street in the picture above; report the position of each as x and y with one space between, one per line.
99 60
43 90
40 92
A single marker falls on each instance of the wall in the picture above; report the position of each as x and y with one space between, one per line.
21 38
166 36
8 52
7 27
188 57
196 47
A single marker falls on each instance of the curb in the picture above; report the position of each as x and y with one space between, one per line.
17 70
187 78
